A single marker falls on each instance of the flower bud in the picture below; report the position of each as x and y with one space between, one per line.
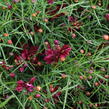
38 88
10 42
12 75
37 96
105 37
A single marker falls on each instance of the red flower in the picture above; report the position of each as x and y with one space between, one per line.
16 1
21 69
37 96
32 80
5 66
71 19
107 17
9 7
55 93
20 85
56 96
56 42
53 55
50 1
10 42
12 75
29 87
25 85
27 54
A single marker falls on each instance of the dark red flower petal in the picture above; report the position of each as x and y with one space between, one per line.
107 17
19 88
50 1
71 19
53 55
21 69
56 96
32 80
12 75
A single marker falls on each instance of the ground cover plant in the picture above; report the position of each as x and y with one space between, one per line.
54 54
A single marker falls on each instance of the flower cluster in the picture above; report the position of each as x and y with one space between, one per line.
5 66
25 85
56 53
30 54
51 54
27 54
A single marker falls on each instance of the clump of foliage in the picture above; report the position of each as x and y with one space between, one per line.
54 54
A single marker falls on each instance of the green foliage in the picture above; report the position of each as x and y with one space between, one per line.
85 84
